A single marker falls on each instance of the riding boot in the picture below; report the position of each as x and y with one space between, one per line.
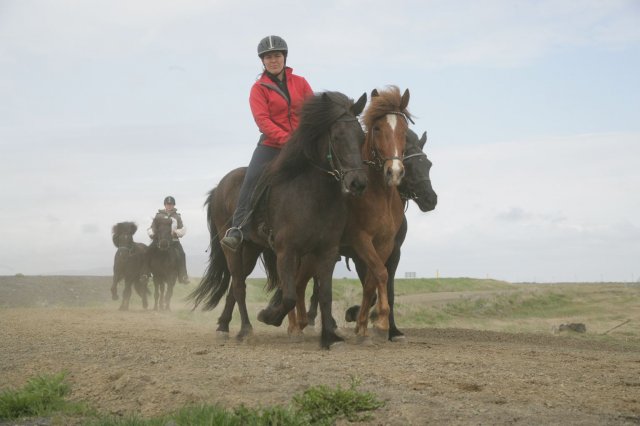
233 238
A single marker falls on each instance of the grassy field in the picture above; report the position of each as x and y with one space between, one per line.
486 304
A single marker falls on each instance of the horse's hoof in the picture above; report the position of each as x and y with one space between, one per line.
114 297
399 339
351 314
338 347
222 336
122 308
265 317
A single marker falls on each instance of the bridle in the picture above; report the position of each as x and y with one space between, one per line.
377 161
128 247
338 172
412 195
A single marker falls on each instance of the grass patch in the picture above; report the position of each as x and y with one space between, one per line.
44 396
517 305
41 396
324 405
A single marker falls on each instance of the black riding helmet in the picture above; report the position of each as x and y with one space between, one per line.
272 43
170 200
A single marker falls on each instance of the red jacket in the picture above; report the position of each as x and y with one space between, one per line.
275 117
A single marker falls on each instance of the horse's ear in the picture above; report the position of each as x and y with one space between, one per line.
423 140
358 107
374 93
325 97
405 100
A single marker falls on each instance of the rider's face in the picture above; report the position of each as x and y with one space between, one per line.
273 62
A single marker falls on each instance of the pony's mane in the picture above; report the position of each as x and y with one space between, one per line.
317 115
119 228
388 100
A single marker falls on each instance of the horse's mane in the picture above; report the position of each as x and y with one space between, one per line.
388 100
317 115
119 228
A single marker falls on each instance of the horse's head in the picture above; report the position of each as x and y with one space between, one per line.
122 235
345 140
329 137
416 184
163 227
386 121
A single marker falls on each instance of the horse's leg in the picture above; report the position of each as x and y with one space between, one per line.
328 337
156 292
162 287
274 314
376 279
351 314
395 335
171 282
114 286
247 260
126 294
141 288
225 317
239 289
313 304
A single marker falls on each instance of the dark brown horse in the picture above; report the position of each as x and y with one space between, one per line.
129 264
301 218
163 261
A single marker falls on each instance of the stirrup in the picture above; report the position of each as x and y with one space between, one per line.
233 246
234 228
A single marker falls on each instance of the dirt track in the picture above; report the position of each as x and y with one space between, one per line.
152 363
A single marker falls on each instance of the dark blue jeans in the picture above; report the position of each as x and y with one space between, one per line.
262 156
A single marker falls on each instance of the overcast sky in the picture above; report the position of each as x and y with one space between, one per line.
532 110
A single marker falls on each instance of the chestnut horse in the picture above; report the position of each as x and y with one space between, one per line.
375 219
129 264
301 216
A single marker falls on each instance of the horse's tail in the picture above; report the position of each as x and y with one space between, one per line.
215 282
269 261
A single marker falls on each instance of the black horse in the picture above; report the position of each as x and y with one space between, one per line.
301 218
163 260
129 264
416 186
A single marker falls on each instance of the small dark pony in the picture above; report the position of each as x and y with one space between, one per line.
163 260
416 186
301 218
129 264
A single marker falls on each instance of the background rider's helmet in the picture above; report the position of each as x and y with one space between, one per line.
272 43
170 200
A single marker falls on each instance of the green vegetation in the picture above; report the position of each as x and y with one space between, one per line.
43 396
